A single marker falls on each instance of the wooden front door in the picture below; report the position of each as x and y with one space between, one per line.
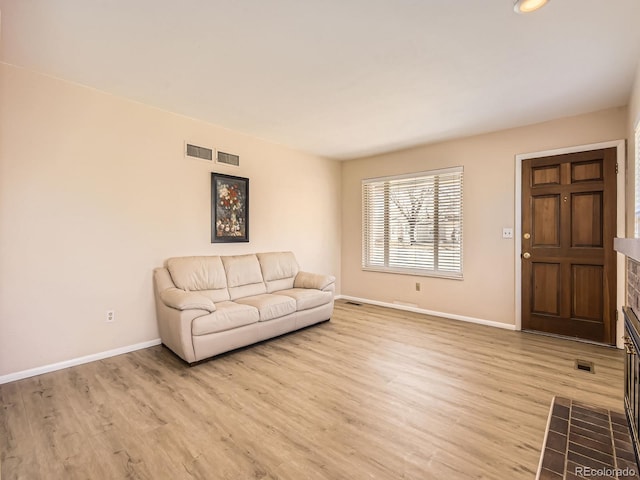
568 261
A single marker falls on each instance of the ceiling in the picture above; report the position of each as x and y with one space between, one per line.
341 79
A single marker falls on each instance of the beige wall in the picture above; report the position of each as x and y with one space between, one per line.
634 104
95 192
487 291
634 118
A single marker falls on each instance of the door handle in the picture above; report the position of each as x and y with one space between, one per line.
526 255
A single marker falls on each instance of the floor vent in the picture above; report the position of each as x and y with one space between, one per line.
353 303
585 366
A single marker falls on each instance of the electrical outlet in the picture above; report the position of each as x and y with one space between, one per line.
507 233
111 316
417 286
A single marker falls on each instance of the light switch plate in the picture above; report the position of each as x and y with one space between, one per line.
507 233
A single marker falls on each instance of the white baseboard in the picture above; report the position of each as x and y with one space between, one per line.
409 308
32 372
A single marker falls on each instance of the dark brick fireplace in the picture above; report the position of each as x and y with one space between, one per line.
633 284
632 375
631 248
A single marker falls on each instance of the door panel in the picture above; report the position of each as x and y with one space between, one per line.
587 285
546 220
585 171
545 288
546 175
568 225
586 219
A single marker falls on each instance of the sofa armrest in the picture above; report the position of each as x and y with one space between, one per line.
183 300
313 280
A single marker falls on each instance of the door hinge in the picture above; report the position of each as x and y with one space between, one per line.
616 168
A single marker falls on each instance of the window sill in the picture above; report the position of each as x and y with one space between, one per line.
414 273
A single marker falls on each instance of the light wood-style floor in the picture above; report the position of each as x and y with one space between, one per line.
375 393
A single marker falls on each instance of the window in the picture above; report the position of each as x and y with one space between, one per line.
413 223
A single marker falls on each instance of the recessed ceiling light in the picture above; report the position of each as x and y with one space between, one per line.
526 6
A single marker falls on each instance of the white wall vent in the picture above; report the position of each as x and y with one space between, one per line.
228 159
195 151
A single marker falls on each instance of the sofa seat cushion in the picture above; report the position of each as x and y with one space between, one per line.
228 315
307 298
270 306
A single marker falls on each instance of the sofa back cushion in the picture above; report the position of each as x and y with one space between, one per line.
205 274
279 269
244 277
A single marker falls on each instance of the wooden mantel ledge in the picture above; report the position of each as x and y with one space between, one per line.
628 246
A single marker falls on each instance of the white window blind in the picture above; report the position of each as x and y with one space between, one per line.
413 223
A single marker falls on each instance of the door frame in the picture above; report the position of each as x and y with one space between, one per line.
620 146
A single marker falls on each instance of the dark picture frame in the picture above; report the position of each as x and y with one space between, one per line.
229 208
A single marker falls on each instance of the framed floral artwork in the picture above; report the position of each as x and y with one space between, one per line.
229 208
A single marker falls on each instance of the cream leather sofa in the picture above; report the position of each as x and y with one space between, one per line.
210 305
